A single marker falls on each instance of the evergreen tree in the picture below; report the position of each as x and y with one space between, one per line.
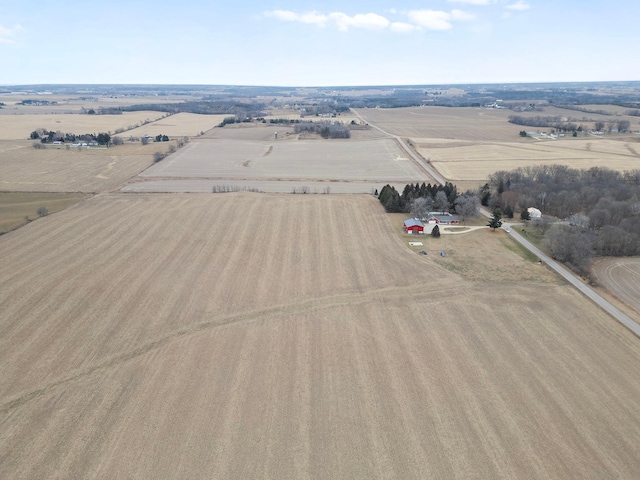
508 211
495 220
435 232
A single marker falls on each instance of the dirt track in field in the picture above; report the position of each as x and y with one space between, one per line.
280 336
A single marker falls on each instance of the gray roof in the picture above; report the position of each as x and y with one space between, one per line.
412 222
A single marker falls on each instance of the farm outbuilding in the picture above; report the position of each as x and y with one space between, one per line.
442 218
534 212
413 226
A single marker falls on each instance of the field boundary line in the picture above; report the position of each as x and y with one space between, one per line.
315 304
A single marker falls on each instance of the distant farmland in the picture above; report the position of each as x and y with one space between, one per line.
466 145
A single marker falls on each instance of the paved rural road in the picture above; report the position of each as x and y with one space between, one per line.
573 280
435 175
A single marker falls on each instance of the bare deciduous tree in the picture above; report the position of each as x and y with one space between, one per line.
420 207
467 206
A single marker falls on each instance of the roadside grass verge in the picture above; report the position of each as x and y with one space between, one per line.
514 246
16 207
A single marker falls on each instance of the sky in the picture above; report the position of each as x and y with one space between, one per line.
312 43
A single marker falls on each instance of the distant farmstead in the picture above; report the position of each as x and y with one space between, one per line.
413 226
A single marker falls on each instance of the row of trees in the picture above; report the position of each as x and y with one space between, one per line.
325 129
392 201
101 111
420 200
569 125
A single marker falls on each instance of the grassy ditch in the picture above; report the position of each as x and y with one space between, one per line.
19 208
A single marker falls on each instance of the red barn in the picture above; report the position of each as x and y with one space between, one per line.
413 226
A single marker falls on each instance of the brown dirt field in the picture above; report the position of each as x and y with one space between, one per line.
621 277
252 132
476 161
470 124
25 169
280 336
373 160
178 125
19 127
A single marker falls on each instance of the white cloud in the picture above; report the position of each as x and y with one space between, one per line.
417 19
431 19
370 21
403 27
313 18
437 19
519 5
342 21
7 35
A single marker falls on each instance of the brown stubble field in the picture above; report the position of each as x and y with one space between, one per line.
19 127
60 169
251 157
621 277
177 125
280 336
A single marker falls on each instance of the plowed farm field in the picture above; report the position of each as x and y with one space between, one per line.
621 276
19 127
25 169
177 125
294 336
345 166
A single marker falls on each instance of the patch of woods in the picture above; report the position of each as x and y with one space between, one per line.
586 213
325 129
570 124
420 200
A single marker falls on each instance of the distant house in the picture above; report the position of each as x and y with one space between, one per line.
413 226
534 212
441 218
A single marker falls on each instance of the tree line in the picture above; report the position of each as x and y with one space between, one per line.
325 129
569 125
204 107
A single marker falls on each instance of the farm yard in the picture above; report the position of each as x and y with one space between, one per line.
160 337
